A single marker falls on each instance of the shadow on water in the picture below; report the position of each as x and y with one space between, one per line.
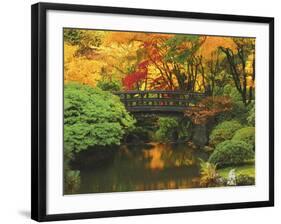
153 166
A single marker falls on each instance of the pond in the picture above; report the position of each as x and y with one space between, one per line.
139 168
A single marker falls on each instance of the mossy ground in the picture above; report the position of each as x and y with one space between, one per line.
246 169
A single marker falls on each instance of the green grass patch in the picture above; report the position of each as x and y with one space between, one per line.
246 169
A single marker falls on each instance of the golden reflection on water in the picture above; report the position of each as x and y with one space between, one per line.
161 156
155 157
171 184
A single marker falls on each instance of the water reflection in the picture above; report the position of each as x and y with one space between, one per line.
169 155
139 168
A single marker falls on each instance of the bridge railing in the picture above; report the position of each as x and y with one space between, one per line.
156 98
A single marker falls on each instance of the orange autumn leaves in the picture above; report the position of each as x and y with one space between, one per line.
119 55
209 107
129 37
211 44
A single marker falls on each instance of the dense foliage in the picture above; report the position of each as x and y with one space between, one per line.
239 110
231 91
162 61
93 117
232 152
145 128
224 131
109 85
172 129
167 128
208 108
246 134
98 63
251 117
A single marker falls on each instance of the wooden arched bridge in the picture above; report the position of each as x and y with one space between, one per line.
159 101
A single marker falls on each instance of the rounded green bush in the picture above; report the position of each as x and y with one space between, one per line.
224 131
231 152
246 134
93 117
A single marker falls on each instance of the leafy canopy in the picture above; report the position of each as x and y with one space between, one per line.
146 61
93 117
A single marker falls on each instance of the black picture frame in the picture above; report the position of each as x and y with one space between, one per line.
38 108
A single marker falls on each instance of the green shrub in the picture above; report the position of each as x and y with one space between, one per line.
218 91
167 128
93 117
239 112
251 117
246 134
231 152
230 90
109 86
224 131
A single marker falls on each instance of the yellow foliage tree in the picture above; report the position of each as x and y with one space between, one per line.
80 69
112 55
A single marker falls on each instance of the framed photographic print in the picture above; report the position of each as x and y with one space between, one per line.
139 111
